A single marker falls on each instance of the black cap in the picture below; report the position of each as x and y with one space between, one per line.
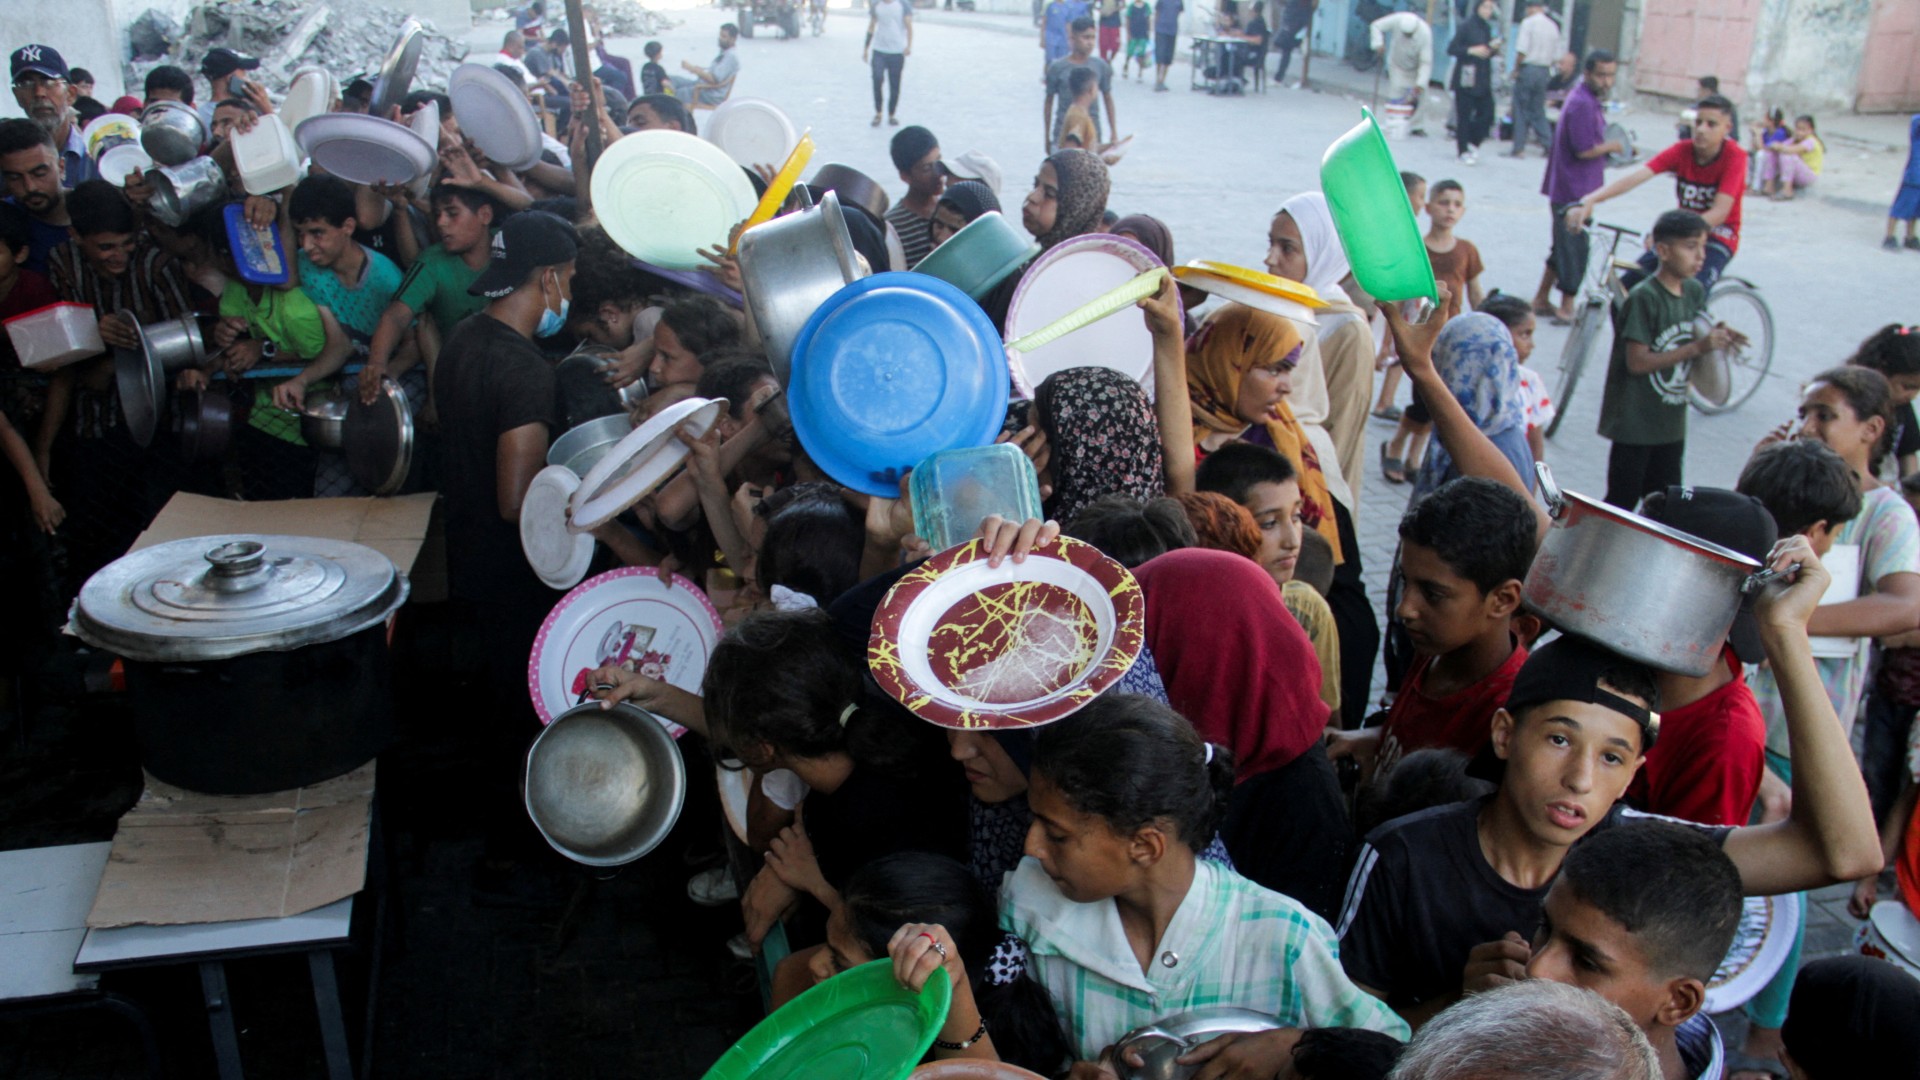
225 61
528 241
40 59
1734 521
1569 668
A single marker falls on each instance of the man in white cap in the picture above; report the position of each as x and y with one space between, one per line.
973 165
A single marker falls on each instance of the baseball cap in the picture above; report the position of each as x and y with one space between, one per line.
974 165
1734 521
1569 668
40 59
528 241
225 61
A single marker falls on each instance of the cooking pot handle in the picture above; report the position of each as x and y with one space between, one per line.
1757 581
1550 491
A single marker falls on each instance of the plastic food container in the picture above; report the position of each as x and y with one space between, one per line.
258 253
955 490
267 156
56 335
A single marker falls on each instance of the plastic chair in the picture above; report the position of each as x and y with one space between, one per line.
694 103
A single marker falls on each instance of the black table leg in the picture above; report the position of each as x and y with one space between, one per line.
333 1026
226 1041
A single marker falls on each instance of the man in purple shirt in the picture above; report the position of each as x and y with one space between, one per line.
1576 167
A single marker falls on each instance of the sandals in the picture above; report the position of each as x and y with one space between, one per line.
1390 412
1392 468
1545 310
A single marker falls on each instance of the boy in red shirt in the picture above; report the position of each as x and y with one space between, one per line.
1706 766
1709 178
1463 552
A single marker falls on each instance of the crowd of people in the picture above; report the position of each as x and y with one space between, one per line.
1530 862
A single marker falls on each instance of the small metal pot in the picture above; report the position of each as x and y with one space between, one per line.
604 786
1162 1042
582 448
178 343
854 187
181 191
1646 591
203 421
172 133
323 420
789 267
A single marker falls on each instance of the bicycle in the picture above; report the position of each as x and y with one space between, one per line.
1720 382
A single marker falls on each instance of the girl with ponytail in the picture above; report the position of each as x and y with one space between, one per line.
1125 925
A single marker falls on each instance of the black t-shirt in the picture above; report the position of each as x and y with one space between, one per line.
1422 896
491 379
1906 433
876 813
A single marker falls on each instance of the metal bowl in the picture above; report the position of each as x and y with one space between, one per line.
323 420
172 133
181 191
789 267
604 786
1162 1043
583 447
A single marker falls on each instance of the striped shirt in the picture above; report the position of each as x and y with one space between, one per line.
154 286
1230 942
916 236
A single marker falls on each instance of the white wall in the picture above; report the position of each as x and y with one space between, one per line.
1806 53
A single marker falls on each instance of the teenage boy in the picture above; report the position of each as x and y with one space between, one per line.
437 283
1464 551
1643 409
1140 39
1643 915
1457 264
31 170
222 67
1166 37
916 156
1055 37
1709 178
1706 766
1053 113
1441 901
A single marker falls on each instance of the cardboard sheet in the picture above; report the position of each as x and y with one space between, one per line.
183 857
396 527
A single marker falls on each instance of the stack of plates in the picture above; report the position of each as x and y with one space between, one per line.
664 195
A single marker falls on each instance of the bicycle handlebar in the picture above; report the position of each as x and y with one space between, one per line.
1613 228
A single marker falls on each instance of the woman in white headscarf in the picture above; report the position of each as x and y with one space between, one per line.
1332 391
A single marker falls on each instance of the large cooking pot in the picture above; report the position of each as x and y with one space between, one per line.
1642 589
172 133
789 267
1161 1043
254 663
604 786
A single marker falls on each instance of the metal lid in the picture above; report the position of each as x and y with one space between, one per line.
378 440
217 597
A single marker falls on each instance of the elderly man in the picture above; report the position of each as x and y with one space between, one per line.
1535 49
1531 1030
1405 43
40 87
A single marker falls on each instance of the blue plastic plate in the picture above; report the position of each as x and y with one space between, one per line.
259 253
892 368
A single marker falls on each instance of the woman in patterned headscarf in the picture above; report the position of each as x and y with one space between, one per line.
1475 355
1238 369
1103 437
1068 199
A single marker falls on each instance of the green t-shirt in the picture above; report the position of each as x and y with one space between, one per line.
437 285
1651 410
289 319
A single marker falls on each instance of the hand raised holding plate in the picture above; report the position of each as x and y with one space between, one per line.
1415 343
1162 309
1032 442
1001 538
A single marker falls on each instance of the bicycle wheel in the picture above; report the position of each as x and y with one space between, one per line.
1573 359
1741 307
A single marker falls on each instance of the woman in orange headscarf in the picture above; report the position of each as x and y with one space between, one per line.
1238 368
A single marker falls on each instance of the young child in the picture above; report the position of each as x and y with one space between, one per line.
653 74
1125 925
1906 201
1518 316
1463 553
1456 264
1077 130
1384 408
1791 166
1643 410
1894 351
1140 40
1643 916
1442 903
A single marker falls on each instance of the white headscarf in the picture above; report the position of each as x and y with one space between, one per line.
1326 259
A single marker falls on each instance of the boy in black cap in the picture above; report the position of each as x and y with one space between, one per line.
1443 902
1642 916
1706 767
916 154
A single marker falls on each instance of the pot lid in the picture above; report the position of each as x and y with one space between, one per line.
378 439
217 597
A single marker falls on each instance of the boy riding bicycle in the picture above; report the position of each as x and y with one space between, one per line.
1710 177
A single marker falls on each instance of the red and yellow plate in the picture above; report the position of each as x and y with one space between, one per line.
965 645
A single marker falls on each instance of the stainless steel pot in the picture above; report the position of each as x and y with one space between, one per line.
172 133
789 267
854 187
323 420
604 786
582 448
1161 1043
181 191
1642 589
580 384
